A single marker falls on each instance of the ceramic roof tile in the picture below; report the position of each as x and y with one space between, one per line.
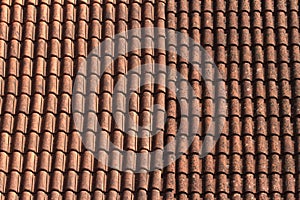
255 46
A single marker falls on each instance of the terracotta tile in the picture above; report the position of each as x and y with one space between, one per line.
5 12
28 180
114 180
40 194
255 47
45 161
43 181
55 195
85 182
72 181
57 181
99 195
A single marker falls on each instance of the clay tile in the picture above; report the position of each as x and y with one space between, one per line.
17 13
99 195
289 149
3 184
128 181
273 107
295 108
182 185
135 12
12 86
45 161
14 183
33 143
4 164
260 107
61 141
114 181
12 194
7 123
57 181
28 49
10 104
47 140
31 161
233 5
210 185
85 181
72 181
237 145
57 12
110 12
293 20
286 107
38 102
247 107
55 195
285 89
68 32
82 30
31 13
4 35
16 31
44 12
42 48
105 121
55 30
96 12
249 185
65 103
19 142
87 161
84 12
70 14
43 181
53 84
68 48
73 161
290 185
269 5
293 5
281 20
260 90
196 184
281 5
265 143
15 48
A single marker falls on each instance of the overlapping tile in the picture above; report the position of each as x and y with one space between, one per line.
255 46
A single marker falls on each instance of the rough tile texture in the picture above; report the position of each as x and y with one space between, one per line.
255 45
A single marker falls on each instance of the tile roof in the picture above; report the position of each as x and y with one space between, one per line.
255 45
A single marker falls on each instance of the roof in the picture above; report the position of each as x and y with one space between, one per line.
255 47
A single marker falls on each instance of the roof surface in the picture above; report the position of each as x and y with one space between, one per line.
255 45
